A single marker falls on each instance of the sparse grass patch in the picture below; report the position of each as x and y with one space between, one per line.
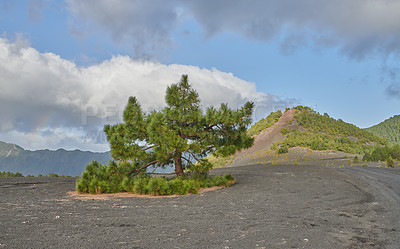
220 162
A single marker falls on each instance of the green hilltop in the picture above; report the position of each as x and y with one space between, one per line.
323 132
388 129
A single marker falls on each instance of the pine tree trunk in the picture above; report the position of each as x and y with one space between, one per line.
178 164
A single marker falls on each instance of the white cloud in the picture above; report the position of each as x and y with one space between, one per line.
60 105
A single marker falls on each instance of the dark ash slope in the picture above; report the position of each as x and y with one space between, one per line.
268 207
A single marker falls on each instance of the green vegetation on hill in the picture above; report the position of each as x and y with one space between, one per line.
264 123
383 154
17 174
326 133
10 174
388 129
220 162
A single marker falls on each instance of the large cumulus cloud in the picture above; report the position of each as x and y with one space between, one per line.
357 29
41 93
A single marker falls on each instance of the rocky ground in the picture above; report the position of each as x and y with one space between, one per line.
270 206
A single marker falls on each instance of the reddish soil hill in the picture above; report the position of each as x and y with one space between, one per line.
261 153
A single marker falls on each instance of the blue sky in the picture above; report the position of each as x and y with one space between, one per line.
68 67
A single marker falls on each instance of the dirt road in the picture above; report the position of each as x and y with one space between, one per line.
385 186
269 207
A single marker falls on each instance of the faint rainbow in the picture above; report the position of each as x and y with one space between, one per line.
44 121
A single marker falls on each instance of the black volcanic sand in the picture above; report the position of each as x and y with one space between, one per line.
268 207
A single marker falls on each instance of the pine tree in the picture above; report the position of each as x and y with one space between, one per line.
180 134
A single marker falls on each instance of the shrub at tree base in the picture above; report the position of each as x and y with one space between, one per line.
99 178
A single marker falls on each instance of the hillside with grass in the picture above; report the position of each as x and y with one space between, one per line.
323 132
388 129
301 130
264 123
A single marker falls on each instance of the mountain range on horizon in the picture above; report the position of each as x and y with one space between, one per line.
14 158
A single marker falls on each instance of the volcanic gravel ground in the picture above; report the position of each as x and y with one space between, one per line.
268 207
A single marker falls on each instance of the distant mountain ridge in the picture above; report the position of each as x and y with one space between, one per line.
7 149
388 129
14 158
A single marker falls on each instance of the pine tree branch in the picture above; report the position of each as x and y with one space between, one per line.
189 136
208 149
193 155
150 147
222 129
210 127
143 167
187 159
152 173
